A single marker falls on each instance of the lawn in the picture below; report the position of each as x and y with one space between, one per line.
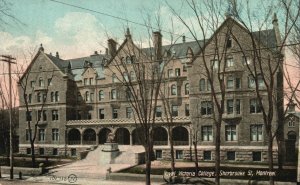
26 162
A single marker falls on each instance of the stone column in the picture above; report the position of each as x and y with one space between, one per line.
169 143
97 138
131 139
81 139
191 136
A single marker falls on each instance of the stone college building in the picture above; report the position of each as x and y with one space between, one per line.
77 102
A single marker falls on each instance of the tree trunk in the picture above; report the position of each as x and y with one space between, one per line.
148 164
196 158
217 154
32 154
270 156
172 151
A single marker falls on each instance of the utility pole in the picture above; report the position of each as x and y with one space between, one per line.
8 59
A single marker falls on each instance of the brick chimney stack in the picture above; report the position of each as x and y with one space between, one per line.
157 45
112 47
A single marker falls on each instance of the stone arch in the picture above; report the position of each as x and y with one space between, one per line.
89 136
103 135
292 135
74 137
180 135
122 136
160 136
290 145
137 136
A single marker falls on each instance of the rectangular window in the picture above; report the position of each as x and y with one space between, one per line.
101 113
85 80
73 152
27 136
42 151
229 106
89 115
230 132
128 112
170 73
231 155
251 82
179 154
254 106
158 112
113 94
91 81
32 84
256 133
256 156
206 108
238 106
177 72
114 113
174 110
238 83
54 151
207 155
229 62
29 98
55 134
158 154
206 133
214 64
41 134
78 115
42 115
230 82
54 115
49 81
184 68
92 97
28 151
246 60
187 110
29 116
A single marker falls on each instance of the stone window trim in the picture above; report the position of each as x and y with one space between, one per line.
254 106
256 133
231 133
202 85
207 133
55 115
41 134
55 134
187 89
173 89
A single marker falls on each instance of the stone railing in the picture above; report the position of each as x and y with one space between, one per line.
123 121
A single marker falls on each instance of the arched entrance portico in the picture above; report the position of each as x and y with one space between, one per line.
122 136
160 136
89 137
137 136
290 143
103 135
74 137
180 136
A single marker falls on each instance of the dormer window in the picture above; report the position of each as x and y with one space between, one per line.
228 42
114 78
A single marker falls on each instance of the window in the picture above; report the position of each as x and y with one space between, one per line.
229 62
49 81
113 94
206 108
87 96
254 106
230 82
42 115
54 115
128 112
85 81
184 68
41 151
125 76
229 106
44 97
202 84
29 116
173 90
174 110
179 154
256 132
79 98
73 152
158 154
41 82
230 132
170 73
41 134
114 113
187 110
27 135
128 60
158 112
56 96
260 80
101 95
177 72
54 151
251 82
78 115
238 106
187 89
39 97
52 97
231 155
208 85
114 78
246 60
55 134
238 83
291 122
32 84
101 113
206 133
256 156
228 42
132 76
28 151
92 97
207 155
91 81
214 64
29 98
89 115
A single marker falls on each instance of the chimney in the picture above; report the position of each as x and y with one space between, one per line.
183 38
57 55
157 45
112 47
96 53
41 48
276 29
291 106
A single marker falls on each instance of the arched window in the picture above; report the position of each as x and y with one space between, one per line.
125 75
52 96
202 84
113 94
132 76
128 60
41 82
187 89
114 78
101 95
56 96
38 97
87 96
173 90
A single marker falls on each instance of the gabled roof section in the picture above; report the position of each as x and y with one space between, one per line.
61 64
